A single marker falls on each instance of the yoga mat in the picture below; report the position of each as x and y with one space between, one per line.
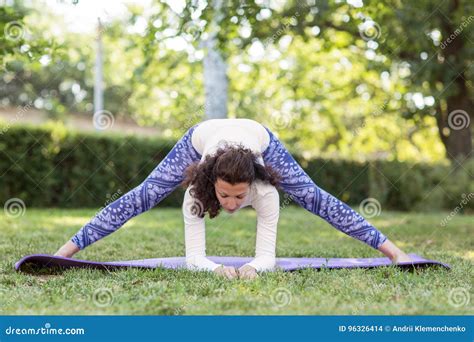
31 263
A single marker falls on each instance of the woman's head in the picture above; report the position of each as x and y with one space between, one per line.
223 179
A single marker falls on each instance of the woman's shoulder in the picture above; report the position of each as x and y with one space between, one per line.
237 122
265 199
209 133
262 188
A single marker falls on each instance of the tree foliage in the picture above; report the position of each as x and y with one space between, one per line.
332 78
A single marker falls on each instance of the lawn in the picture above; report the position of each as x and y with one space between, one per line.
159 233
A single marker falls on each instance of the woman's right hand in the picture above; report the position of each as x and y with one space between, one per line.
226 271
67 250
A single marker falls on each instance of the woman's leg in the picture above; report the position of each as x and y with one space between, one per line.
160 183
306 193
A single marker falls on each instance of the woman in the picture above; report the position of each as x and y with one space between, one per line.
229 164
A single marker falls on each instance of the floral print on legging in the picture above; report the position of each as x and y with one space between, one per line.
307 194
169 174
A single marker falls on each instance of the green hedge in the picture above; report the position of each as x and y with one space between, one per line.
48 167
54 167
397 185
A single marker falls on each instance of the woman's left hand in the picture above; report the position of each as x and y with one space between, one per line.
247 272
401 257
395 254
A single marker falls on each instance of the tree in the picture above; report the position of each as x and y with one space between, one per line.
435 50
215 70
433 40
329 78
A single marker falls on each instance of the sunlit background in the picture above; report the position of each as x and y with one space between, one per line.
341 79
340 82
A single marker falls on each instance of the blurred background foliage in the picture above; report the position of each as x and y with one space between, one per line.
335 79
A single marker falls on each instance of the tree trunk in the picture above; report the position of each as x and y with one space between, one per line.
455 123
456 140
216 83
215 71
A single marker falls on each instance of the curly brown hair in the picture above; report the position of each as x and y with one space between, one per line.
231 163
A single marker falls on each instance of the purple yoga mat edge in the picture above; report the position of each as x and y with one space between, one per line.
304 262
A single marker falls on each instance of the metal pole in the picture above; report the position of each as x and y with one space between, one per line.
98 83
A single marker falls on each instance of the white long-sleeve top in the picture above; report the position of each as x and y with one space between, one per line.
263 197
211 134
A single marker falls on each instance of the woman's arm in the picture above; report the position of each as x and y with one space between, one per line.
195 235
267 205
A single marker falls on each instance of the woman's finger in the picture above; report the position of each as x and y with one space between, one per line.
251 275
246 275
229 274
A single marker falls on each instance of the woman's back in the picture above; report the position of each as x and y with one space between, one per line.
211 134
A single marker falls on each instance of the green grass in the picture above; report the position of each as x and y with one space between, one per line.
159 233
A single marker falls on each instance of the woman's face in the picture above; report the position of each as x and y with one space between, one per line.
231 196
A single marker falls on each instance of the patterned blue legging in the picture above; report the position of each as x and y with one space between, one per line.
302 190
169 174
